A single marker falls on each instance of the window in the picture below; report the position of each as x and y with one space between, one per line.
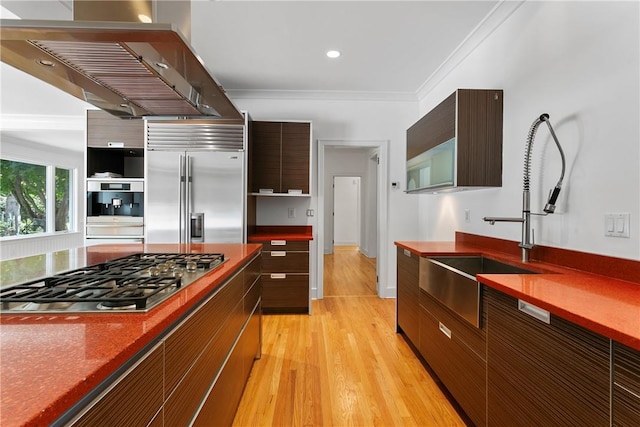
34 199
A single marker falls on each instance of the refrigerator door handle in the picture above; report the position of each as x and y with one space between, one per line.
183 198
188 205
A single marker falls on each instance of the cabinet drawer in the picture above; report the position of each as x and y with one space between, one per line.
407 300
544 374
473 337
626 386
285 245
185 344
183 403
144 381
285 262
281 292
461 369
252 273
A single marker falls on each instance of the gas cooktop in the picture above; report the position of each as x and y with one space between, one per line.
134 283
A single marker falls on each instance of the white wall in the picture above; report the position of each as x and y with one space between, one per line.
579 62
347 120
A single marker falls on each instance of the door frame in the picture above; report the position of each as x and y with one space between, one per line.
382 217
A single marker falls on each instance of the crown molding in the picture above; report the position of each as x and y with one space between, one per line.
322 95
494 19
16 122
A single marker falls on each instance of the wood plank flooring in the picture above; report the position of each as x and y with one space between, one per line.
342 366
348 272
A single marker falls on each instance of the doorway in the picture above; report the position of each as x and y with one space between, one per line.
340 154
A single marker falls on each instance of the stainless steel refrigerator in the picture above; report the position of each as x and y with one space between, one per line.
195 188
195 197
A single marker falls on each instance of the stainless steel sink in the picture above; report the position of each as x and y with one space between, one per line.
452 281
479 265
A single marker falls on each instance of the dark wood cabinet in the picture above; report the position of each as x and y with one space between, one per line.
543 374
407 308
285 276
626 386
454 348
105 130
114 145
279 157
456 351
458 144
197 370
135 398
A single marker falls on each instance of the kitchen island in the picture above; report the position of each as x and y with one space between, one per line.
555 341
55 363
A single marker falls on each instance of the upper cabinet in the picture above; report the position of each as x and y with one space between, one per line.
279 158
115 147
107 131
458 144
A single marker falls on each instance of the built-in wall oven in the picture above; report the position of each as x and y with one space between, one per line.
115 210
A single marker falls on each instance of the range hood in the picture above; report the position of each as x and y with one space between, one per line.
129 69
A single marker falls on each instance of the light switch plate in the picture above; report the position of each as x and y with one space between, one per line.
617 224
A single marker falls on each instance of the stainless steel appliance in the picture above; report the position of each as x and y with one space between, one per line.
196 187
129 69
115 209
131 284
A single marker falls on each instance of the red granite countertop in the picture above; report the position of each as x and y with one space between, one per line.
50 361
263 233
608 306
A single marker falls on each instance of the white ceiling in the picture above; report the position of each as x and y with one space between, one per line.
390 49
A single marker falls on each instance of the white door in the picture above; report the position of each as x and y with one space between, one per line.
346 211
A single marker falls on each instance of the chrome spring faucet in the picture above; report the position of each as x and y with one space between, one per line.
527 239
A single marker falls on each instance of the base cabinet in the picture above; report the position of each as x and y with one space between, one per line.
455 350
408 308
196 372
543 374
285 276
626 386
117 407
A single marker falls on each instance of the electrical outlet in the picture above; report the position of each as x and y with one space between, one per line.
292 212
467 215
310 212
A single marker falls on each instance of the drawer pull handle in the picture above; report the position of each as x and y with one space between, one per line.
278 243
534 311
407 252
278 253
278 276
444 330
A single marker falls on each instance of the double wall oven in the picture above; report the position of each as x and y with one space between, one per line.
115 209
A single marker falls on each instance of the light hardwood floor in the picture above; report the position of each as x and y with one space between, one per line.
344 365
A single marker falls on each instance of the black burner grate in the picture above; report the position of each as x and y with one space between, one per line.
121 282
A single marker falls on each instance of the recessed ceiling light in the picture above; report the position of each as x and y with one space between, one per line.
333 54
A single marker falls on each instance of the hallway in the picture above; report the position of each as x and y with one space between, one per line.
347 272
344 365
